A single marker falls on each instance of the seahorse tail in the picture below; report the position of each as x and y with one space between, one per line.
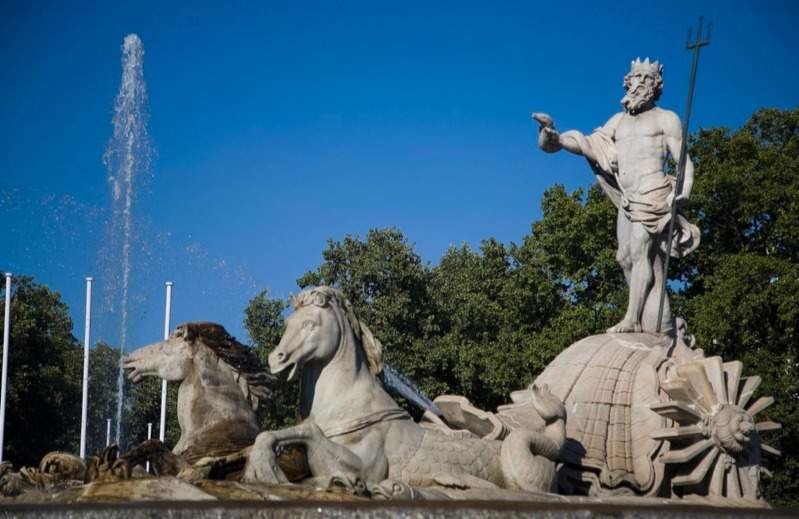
527 463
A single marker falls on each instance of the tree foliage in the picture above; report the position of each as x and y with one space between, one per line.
103 369
45 369
480 323
740 286
263 319
143 406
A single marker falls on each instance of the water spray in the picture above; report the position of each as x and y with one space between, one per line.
127 155
405 387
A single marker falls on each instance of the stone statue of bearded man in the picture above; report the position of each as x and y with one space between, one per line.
628 155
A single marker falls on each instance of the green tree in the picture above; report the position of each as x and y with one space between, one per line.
45 370
383 278
143 406
462 327
103 370
389 288
574 243
739 289
746 194
571 248
487 309
263 319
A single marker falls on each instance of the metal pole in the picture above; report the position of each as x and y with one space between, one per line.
149 435
167 315
6 337
695 46
107 432
87 329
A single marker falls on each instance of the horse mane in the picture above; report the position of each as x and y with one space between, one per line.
247 369
323 296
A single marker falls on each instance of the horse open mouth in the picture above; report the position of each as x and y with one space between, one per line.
280 369
134 372
280 360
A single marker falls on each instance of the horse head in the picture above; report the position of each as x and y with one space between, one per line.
210 350
322 321
170 359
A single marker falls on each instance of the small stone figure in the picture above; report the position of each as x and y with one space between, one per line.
628 155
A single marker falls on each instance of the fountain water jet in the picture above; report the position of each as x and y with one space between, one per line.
126 157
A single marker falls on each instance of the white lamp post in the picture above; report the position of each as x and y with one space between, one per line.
167 315
149 435
6 336
86 336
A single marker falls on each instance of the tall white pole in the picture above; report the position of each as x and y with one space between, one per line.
149 435
167 315
108 432
6 336
87 330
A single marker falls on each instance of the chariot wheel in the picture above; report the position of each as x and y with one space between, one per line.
714 446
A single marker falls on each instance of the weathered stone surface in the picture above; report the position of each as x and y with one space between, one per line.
222 383
628 156
607 383
353 429
231 490
145 489
647 415
583 508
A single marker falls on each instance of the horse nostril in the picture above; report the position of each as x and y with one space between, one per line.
281 355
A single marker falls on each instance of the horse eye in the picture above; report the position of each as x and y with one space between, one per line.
308 325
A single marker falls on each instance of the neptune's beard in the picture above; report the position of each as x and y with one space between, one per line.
638 99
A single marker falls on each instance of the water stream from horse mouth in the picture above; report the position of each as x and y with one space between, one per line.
401 384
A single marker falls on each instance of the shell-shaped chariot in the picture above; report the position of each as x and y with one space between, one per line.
647 415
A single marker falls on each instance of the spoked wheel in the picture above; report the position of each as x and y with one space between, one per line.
714 443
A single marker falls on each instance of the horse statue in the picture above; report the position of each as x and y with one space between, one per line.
222 383
354 430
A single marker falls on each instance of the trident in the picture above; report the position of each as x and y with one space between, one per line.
694 46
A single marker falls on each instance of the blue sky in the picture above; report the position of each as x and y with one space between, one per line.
279 126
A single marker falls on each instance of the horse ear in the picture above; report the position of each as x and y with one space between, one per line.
190 333
295 301
320 299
